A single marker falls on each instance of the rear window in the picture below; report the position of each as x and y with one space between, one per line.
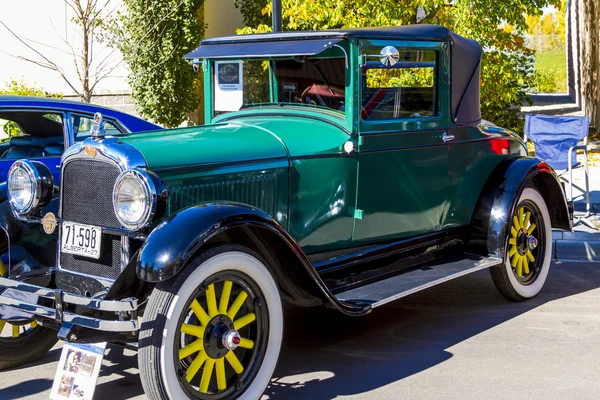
406 89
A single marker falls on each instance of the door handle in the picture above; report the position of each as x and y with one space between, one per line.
446 138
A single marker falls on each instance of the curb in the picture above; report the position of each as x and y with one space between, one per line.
576 246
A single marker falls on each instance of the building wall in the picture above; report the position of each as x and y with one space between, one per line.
121 102
221 18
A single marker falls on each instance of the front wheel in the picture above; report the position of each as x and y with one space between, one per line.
24 342
214 331
528 249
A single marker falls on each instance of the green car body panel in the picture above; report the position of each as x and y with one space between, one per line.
301 176
291 164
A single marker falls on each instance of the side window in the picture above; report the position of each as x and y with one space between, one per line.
31 134
403 88
82 127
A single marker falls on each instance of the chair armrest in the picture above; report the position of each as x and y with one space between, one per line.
578 147
570 154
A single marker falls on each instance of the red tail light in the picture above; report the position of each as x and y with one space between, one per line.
500 146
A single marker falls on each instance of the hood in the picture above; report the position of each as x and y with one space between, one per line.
216 144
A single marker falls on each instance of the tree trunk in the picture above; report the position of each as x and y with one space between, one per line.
590 61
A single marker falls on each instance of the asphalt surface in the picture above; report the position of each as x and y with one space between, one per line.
459 340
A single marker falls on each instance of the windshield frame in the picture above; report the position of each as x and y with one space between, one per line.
208 68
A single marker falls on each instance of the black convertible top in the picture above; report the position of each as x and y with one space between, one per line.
416 32
465 55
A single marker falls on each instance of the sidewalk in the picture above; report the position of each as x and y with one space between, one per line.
583 244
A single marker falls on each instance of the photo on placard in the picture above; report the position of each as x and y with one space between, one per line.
78 392
87 366
66 386
73 361
229 73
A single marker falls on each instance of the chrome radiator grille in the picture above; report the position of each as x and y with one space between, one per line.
86 198
87 187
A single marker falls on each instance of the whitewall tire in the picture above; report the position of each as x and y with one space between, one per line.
528 249
214 331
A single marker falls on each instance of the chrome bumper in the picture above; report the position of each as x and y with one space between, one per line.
123 308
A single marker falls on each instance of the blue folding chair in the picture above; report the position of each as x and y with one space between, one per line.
556 139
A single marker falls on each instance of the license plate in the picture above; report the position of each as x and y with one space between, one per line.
82 240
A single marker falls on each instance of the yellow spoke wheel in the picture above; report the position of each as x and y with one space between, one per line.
219 334
523 242
23 342
213 331
528 251
13 330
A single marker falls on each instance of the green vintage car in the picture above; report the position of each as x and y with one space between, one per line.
344 169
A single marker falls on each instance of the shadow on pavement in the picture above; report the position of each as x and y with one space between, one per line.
357 355
34 386
326 354
25 389
118 362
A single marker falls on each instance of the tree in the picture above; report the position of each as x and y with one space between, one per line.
87 15
507 65
153 36
17 88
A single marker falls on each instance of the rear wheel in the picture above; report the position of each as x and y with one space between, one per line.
214 331
23 342
528 249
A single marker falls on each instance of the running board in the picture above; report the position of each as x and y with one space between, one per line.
382 292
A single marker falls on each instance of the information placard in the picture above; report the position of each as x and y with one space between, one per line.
229 85
78 371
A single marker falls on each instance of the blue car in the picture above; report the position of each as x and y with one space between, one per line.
40 129
43 128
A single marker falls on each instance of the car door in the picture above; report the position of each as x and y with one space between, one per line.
403 154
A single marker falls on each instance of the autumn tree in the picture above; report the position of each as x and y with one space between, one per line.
547 32
507 66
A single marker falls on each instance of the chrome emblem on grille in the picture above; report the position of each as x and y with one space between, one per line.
91 151
49 223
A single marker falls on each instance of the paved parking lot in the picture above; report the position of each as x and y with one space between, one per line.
460 340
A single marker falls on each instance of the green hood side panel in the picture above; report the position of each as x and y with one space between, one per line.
206 145
303 137
246 160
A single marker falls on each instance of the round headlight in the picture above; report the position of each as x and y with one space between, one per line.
134 199
30 186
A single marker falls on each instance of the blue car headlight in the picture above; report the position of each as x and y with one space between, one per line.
30 186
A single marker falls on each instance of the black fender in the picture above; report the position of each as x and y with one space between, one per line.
31 252
179 238
490 223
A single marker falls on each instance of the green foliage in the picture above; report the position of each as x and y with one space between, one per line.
507 73
551 72
20 88
401 77
153 36
252 11
546 81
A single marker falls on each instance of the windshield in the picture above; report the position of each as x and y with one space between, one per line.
310 82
